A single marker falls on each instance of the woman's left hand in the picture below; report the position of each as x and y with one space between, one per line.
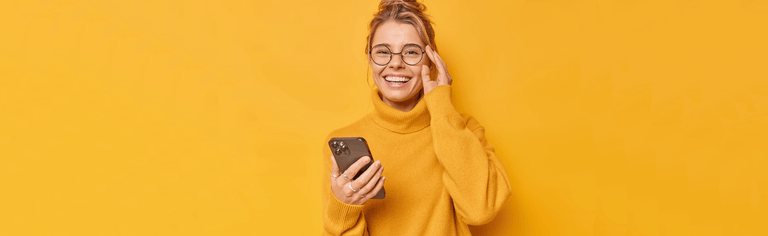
443 77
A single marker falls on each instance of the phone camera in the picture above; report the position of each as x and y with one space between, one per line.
339 148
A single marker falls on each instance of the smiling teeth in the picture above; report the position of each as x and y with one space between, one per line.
397 79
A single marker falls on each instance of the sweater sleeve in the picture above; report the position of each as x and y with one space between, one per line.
339 218
474 177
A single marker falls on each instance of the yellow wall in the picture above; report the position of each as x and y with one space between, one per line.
207 117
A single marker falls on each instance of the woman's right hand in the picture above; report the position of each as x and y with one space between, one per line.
358 191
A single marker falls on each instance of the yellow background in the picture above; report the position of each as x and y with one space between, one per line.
645 117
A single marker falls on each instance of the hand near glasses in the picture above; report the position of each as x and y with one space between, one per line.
442 72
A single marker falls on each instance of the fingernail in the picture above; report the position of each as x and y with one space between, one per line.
367 159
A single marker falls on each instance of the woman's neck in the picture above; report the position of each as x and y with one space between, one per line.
405 106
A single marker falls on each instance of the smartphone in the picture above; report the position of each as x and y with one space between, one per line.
347 150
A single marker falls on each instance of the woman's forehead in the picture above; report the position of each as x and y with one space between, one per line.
395 34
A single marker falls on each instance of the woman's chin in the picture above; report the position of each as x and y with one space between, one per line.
397 96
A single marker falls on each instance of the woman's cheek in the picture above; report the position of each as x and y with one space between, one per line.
376 73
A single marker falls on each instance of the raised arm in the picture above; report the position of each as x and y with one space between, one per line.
474 176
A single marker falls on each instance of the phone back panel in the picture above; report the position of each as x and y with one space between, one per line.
347 150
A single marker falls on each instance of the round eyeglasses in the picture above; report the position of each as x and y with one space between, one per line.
411 54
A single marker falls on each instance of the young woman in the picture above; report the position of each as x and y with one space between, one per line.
442 174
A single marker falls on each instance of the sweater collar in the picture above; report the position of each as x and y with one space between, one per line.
396 120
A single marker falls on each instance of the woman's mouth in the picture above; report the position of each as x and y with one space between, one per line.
397 81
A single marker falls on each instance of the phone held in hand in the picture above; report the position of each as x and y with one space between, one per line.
347 150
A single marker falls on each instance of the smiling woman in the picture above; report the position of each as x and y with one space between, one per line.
443 174
395 78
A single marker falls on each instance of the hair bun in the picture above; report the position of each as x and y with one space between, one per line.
411 5
405 12
397 1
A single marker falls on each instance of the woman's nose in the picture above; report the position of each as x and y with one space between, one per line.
397 61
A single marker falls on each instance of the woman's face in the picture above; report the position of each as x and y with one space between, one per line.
389 77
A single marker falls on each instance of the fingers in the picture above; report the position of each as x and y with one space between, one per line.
373 180
334 167
429 54
439 64
355 167
442 77
376 189
366 176
442 62
425 73
447 78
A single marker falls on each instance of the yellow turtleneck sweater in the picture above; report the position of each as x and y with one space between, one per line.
442 174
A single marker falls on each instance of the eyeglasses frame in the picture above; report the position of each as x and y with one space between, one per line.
399 53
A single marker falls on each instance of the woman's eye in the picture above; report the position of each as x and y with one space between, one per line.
382 52
411 52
